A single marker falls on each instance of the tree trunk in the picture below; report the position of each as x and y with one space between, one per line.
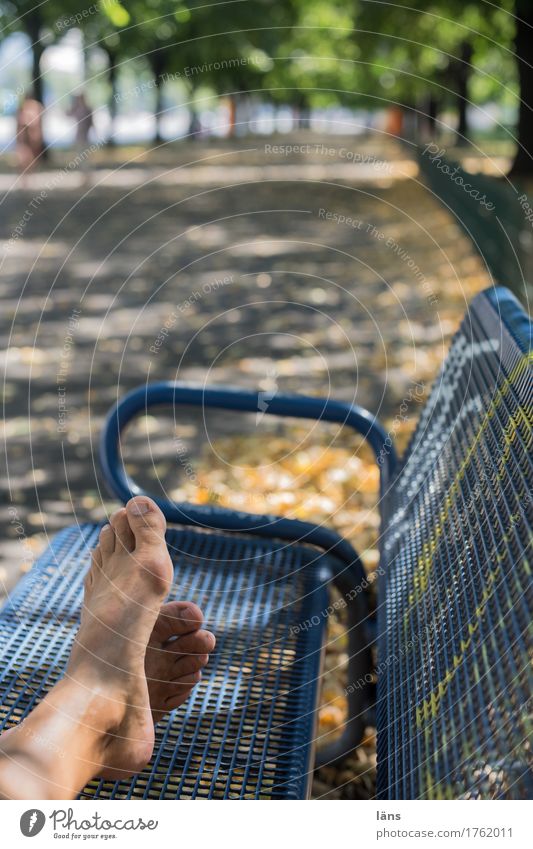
523 163
193 131
464 70
158 64
33 23
112 76
432 114
303 113
232 120
158 108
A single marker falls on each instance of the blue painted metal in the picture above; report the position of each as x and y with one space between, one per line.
217 518
456 596
512 315
245 731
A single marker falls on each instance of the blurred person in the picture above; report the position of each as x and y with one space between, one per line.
83 115
30 145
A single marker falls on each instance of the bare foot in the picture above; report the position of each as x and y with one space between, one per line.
129 577
177 652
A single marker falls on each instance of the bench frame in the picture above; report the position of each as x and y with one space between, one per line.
347 572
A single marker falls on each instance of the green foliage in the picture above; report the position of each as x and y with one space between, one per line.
315 59
307 52
415 47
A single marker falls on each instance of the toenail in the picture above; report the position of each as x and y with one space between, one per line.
139 508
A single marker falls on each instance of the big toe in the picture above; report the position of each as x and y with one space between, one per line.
146 522
148 527
123 533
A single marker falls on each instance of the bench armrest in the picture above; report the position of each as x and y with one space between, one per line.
219 518
347 570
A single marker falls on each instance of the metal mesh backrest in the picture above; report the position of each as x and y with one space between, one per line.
456 595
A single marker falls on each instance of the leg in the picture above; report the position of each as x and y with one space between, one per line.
99 719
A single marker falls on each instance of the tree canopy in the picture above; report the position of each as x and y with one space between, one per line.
424 56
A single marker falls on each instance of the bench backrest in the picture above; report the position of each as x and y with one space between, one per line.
456 594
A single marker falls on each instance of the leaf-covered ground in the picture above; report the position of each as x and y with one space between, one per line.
327 270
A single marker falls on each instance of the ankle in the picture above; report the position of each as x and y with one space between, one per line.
102 706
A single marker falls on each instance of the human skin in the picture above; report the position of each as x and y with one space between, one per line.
134 658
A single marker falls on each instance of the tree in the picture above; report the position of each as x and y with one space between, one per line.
315 59
435 48
109 30
462 50
38 21
224 45
215 44
523 163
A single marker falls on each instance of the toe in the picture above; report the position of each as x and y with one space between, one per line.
201 642
176 669
96 558
146 522
96 566
180 689
107 540
123 533
176 619
172 696
188 665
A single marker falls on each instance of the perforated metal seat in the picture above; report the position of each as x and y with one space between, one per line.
246 729
454 690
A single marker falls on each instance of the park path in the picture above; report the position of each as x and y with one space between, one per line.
326 269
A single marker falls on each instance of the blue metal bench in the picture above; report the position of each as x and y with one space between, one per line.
454 599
